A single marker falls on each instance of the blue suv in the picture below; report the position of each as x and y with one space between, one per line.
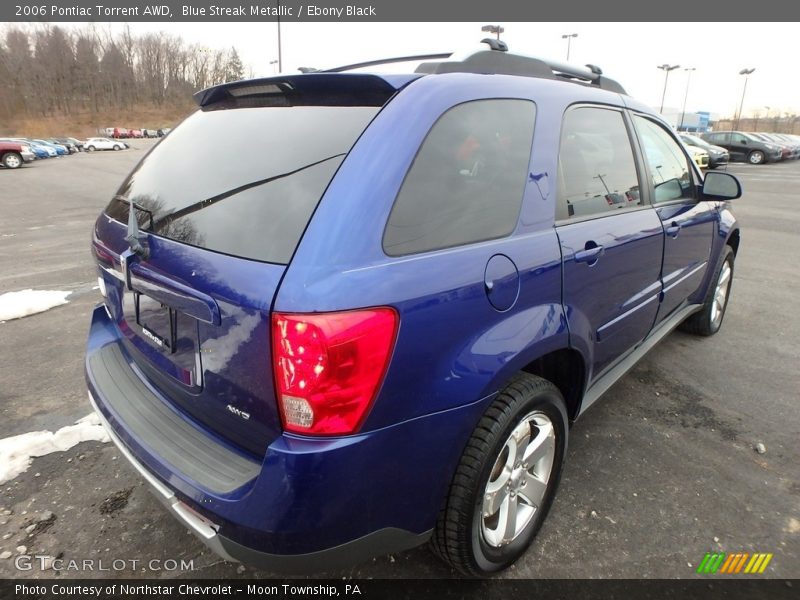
345 313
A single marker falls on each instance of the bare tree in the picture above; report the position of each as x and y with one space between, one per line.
49 70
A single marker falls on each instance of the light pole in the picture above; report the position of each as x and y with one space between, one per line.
272 64
666 68
496 29
280 57
686 95
746 73
568 37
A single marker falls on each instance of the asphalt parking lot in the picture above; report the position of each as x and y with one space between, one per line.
660 472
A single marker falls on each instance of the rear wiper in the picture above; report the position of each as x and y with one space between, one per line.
135 236
187 210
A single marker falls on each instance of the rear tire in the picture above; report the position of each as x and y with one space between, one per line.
505 482
117 147
756 157
709 320
12 160
90 148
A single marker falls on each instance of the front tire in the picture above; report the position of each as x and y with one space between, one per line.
506 480
756 157
709 320
117 147
90 148
12 160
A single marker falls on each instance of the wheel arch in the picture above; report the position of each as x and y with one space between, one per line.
566 369
733 240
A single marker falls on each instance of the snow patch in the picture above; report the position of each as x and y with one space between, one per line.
15 305
17 452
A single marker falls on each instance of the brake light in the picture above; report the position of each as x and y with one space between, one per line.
328 367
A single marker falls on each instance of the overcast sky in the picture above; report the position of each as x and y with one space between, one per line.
628 52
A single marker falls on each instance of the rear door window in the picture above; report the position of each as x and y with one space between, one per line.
242 181
467 180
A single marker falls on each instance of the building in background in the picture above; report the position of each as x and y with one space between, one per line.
695 122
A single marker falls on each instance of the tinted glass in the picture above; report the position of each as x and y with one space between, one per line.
596 172
668 165
242 181
467 180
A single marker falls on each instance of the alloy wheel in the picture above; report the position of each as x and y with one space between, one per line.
518 481
721 294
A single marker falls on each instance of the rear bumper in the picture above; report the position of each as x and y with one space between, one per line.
376 543
28 156
312 504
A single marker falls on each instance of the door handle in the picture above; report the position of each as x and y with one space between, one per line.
673 230
589 254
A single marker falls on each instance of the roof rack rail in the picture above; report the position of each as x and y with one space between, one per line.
386 61
498 61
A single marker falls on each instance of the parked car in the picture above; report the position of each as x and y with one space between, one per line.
73 144
785 148
717 156
60 149
40 153
120 133
744 147
98 143
136 133
791 148
149 133
793 141
14 154
380 336
164 131
40 150
71 148
76 142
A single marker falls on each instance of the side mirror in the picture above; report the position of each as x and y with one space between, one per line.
721 186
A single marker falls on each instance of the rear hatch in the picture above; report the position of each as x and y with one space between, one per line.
220 205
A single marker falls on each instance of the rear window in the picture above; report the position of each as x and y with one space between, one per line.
242 181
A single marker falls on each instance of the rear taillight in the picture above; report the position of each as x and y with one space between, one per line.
328 367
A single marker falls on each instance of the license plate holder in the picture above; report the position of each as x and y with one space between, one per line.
159 322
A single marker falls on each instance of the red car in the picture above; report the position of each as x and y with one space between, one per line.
121 132
14 154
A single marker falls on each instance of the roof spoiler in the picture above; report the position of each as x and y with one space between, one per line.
351 89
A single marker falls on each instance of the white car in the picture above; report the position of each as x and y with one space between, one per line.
98 143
